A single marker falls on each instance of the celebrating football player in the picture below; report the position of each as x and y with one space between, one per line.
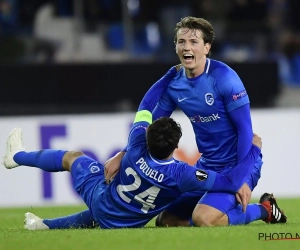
214 99
149 178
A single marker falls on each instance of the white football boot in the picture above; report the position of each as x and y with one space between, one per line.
13 145
33 222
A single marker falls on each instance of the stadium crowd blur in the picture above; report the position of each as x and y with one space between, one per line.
58 31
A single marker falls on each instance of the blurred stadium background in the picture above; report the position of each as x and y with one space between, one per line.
75 56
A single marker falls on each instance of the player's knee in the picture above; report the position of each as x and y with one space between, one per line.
158 221
202 220
206 216
164 219
69 158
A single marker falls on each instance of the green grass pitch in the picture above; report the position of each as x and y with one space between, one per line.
14 237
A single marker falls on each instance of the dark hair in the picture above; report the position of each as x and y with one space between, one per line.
195 23
163 136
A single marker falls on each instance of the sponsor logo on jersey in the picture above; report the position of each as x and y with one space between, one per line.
239 95
209 99
199 118
201 175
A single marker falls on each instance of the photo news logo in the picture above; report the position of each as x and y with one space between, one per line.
278 236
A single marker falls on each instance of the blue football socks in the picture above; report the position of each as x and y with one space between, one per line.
82 219
254 212
48 159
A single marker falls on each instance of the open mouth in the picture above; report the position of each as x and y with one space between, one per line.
188 57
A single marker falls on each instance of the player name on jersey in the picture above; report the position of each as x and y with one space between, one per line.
155 175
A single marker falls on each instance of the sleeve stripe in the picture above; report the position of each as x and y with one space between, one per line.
143 116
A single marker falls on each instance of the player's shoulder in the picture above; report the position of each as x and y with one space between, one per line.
137 134
180 71
179 167
219 67
221 70
138 129
178 67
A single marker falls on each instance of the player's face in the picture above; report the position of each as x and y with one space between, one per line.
191 50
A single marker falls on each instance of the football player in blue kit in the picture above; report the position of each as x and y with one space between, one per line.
213 97
149 178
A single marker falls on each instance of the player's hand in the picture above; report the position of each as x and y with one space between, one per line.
257 141
112 166
178 67
173 70
243 196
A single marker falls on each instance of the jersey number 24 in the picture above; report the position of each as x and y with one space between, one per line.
146 198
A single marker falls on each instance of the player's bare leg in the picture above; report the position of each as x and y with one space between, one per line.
205 215
165 219
69 158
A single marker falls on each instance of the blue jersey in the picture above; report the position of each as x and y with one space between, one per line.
207 100
145 186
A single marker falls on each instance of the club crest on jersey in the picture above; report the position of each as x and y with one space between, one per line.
95 169
201 175
209 99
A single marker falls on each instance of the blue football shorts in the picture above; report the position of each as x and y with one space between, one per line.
89 182
184 205
88 176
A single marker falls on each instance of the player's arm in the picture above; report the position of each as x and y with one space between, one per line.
153 95
166 105
237 103
241 119
243 194
144 114
160 112
112 166
237 176
230 182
